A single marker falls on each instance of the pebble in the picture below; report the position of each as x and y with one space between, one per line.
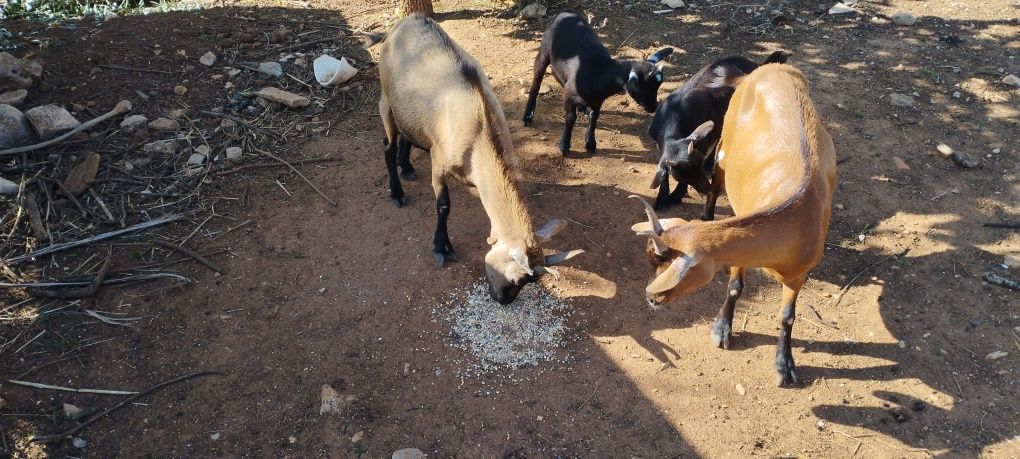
1012 80
177 113
233 153
180 90
208 59
271 68
957 95
167 147
203 150
82 174
233 72
997 355
944 149
544 89
534 10
902 344
196 159
673 3
215 436
840 8
330 401
15 130
900 163
132 123
740 389
51 121
904 18
164 124
79 442
284 97
840 206
901 100
357 436
408 453
8 188
16 98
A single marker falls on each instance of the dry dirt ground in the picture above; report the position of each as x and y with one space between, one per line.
348 295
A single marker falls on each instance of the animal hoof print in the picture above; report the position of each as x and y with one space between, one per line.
409 175
721 334
398 200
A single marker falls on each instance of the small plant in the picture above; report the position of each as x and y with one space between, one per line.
52 10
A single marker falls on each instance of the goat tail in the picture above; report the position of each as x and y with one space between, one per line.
778 57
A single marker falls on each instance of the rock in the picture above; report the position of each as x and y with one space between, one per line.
271 68
79 442
177 113
740 389
166 147
208 59
957 95
544 89
840 8
1010 79
229 128
15 129
673 3
997 355
901 100
900 163
50 121
357 436
963 160
18 73
180 90
904 18
82 174
534 10
8 188
17 97
132 123
71 412
233 153
215 436
286 98
196 159
330 402
203 150
408 453
164 124
944 149
1012 260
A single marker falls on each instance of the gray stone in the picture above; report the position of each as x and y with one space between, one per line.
283 97
8 188
50 121
229 128
1012 80
271 68
901 100
408 453
203 150
15 130
166 147
133 123
164 124
904 19
196 159
673 3
840 8
18 73
14 98
534 10
544 89
208 59
233 153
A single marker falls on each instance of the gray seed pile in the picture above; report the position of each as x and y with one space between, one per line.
517 335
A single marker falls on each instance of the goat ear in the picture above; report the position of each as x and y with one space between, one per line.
560 257
491 240
701 131
667 223
660 55
550 229
672 275
660 174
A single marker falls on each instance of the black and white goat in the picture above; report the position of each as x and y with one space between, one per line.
687 125
589 75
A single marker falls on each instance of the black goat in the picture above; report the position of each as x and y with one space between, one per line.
687 125
589 75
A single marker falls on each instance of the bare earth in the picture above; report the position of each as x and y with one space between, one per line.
347 295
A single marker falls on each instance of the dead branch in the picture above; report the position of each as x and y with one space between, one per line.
1002 281
83 292
130 69
71 389
186 251
309 182
99 237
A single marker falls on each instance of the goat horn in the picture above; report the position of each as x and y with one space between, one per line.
652 218
560 257
661 248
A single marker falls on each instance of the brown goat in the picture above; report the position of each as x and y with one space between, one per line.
435 96
779 165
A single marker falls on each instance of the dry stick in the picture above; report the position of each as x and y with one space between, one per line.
99 237
240 121
83 292
121 108
130 69
70 389
309 182
260 165
123 403
846 288
102 205
35 218
1001 281
186 251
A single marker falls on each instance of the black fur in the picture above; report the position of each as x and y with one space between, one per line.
589 75
704 97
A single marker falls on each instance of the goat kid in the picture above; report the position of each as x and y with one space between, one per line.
589 75
687 125
455 116
780 175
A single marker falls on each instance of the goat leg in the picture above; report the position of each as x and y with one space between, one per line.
396 191
570 116
786 371
441 240
404 159
541 63
722 329
593 119
662 199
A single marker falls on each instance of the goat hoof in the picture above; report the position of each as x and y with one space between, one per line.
591 149
786 372
527 119
444 254
409 174
722 331
399 201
